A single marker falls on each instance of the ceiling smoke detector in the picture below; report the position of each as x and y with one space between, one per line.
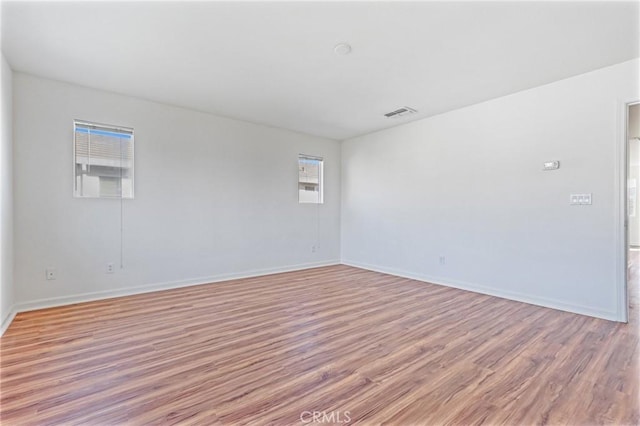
342 49
400 112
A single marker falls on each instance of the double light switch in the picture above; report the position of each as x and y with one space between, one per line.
580 199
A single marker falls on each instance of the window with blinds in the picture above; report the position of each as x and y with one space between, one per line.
310 179
103 160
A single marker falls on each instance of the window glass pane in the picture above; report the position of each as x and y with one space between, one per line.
103 161
310 177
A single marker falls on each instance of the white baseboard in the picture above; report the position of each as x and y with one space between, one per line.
147 288
504 294
6 321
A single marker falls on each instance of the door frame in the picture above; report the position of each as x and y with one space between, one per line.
621 208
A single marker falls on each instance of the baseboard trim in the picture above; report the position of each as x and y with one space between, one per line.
148 288
477 288
6 321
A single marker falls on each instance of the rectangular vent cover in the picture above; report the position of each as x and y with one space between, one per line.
400 112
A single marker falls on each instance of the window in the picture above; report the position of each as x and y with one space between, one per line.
310 177
103 160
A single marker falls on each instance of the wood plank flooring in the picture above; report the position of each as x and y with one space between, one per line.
351 345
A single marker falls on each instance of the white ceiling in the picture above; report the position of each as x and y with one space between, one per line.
273 62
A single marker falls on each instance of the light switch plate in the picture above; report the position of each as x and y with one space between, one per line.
580 199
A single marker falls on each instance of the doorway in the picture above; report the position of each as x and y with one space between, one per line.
633 211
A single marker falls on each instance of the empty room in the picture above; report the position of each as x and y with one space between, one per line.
292 213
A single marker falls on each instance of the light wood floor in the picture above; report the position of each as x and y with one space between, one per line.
339 340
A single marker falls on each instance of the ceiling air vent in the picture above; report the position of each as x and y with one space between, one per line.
400 112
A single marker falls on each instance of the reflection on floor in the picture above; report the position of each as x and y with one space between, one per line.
633 278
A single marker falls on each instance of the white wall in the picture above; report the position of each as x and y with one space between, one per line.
214 198
468 185
6 199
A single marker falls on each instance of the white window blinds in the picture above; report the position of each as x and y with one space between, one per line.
103 160
310 179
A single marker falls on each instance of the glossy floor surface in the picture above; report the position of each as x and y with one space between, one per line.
341 343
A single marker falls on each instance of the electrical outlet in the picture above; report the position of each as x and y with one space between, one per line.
313 249
51 273
443 260
110 268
